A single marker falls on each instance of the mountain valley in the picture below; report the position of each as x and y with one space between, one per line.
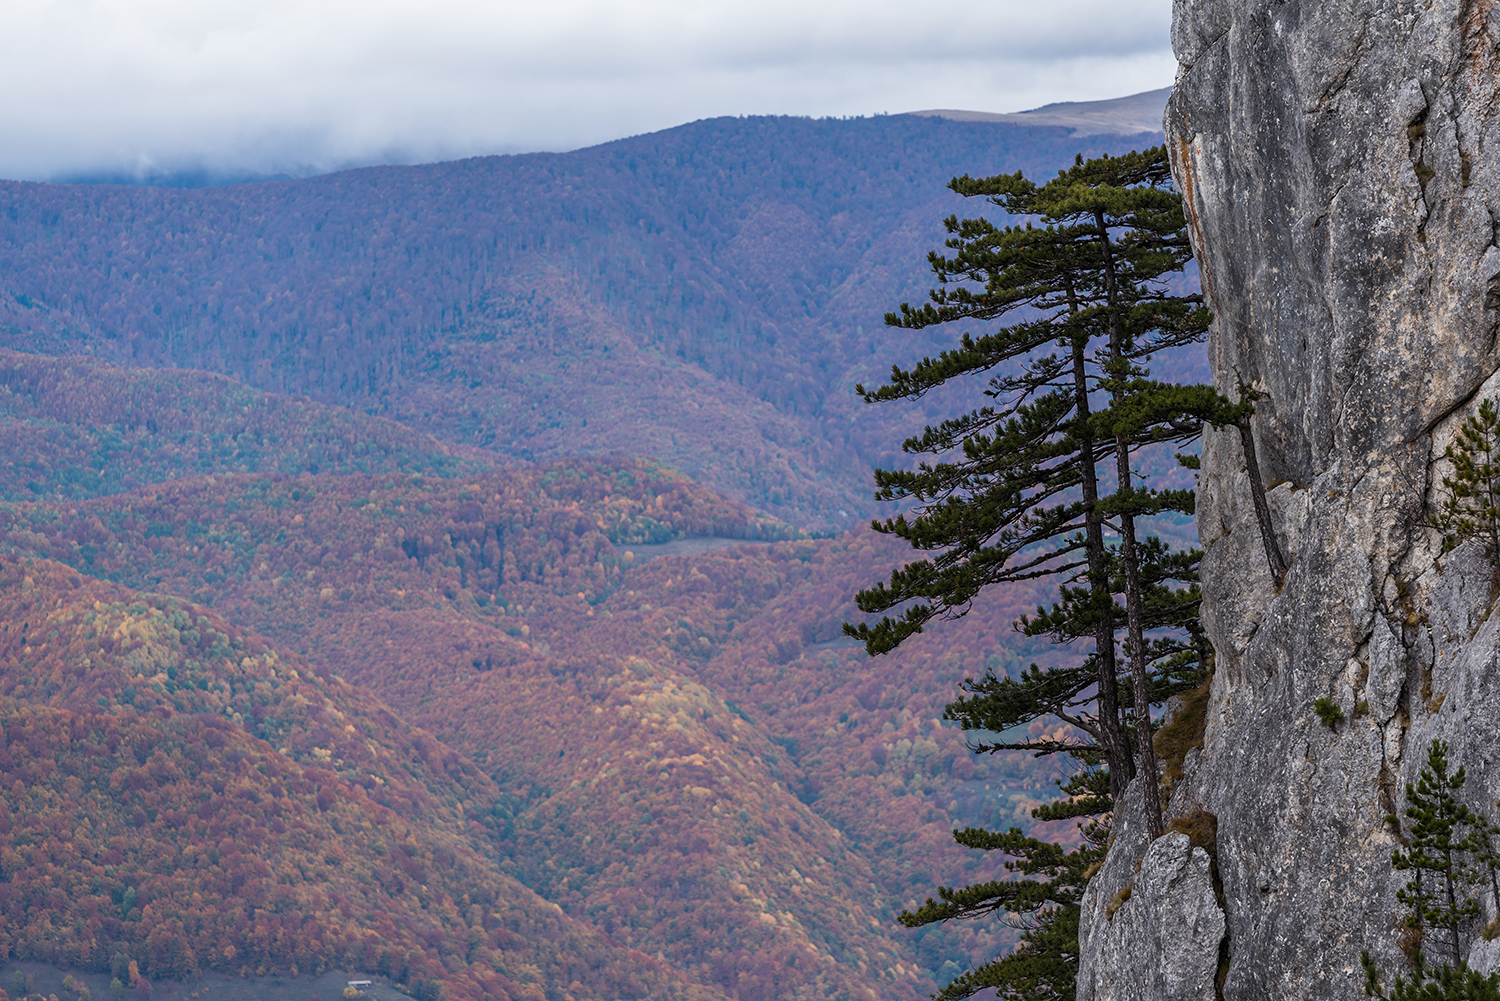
708 295
512 647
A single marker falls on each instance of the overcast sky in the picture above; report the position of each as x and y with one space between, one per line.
301 85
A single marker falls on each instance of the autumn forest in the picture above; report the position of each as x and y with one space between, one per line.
438 574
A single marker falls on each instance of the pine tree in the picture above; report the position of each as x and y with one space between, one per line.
1177 655
1045 965
1472 508
1436 890
1017 489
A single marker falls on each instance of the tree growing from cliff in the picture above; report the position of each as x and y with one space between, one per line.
1472 508
1275 561
1016 490
1019 488
1446 840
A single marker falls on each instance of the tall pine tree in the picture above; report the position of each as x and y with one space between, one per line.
1038 482
1016 490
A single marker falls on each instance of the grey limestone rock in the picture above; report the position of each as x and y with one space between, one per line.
1162 943
1341 167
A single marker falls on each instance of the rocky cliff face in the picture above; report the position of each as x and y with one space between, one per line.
1341 163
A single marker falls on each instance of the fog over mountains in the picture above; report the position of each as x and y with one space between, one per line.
1120 116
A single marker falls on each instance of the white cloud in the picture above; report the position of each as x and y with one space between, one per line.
279 85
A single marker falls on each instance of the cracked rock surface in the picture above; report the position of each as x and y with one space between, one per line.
1341 166
1162 942
1150 918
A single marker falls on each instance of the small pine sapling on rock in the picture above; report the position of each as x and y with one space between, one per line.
1329 712
1472 509
1436 892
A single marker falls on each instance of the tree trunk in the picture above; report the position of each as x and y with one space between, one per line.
1111 734
1135 639
1274 558
1146 753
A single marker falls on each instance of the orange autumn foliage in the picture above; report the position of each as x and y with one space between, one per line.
181 796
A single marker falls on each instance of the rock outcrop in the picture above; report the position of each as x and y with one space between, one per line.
1151 917
1341 165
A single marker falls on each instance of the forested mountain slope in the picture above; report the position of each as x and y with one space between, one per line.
79 427
183 796
683 753
688 756
708 294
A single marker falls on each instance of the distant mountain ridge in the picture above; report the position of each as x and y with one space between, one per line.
1118 116
708 295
